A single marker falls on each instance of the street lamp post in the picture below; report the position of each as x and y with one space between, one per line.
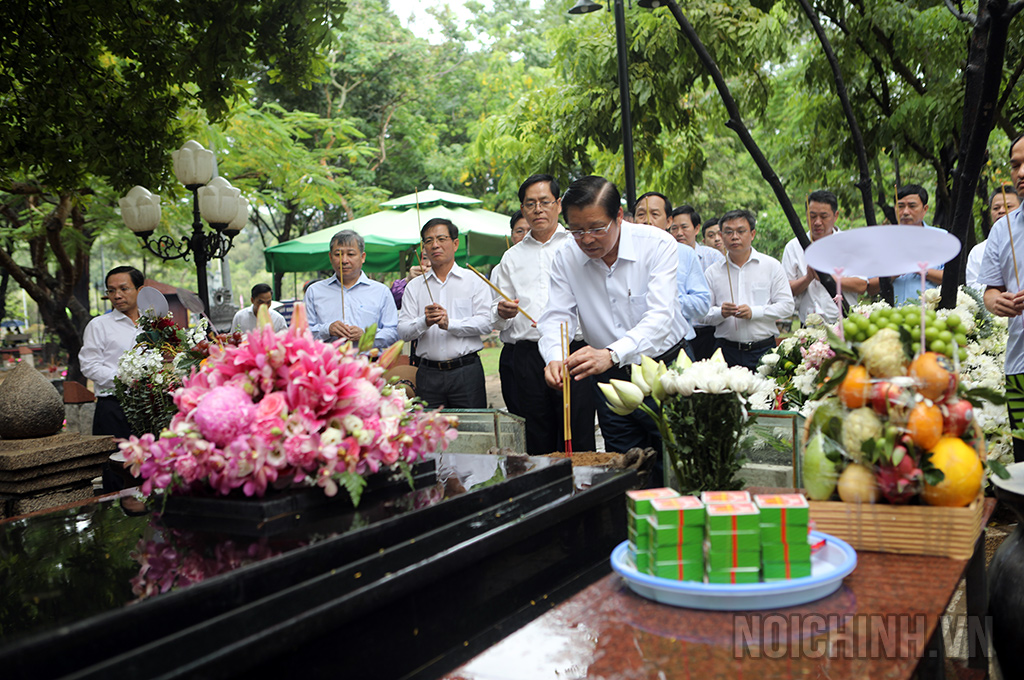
214 200
585 7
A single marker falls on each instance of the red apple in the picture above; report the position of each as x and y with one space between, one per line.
957 416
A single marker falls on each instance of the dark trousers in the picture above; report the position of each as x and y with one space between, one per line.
542 405
622 433
744 357
461 387
506 373
109 418
704 345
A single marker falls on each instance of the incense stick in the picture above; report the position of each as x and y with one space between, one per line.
896 205
498 291
728 275
342 282
566 390
419 222
1013 251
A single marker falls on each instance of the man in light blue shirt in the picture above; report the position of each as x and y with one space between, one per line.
911 208
336 313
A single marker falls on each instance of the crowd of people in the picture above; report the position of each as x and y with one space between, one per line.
618 286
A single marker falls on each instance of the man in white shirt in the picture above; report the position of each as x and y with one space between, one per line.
1002 201
809 293
106 338
523 275
684 227
245 318
447 310
335 313
749 293
507 359
619 280
1004 295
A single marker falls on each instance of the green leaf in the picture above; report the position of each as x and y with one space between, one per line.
353 483
367 338
998 469
932 475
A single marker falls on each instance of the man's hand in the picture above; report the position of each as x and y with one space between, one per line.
728 309
812 275
508 310
553 375
588 361
1003 303
743 312
339 329
436 314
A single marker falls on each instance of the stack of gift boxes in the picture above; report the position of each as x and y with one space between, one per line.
721 537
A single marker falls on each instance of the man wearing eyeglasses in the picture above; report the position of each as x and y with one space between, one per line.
684 227
620 281
106 338
446 310
524 276
749 293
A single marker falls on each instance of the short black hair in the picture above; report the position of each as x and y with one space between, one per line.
137 277
750 218
668 203
516 216
708 223
534 179
1014 142
824 196
688 210
912 189
593 190
453 231
260 289
1003 188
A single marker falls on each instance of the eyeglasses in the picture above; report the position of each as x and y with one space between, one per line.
737 232
580 233
533 205
122 289
439 240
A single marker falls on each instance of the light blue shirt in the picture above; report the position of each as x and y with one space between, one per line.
366 302
908 286
694 294
997 269
708 256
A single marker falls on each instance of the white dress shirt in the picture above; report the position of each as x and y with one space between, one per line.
524 274
814 300
467 300
974 260
998 269
106 338
761 284
367 302
245 320
631 307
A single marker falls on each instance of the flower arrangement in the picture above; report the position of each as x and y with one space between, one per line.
149 373
286 409
794 363
701 410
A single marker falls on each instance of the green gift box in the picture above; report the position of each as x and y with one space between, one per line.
786 552
727 541
642 560
733 517
780 571
680 552
735 576
682 511
783 508
660 535
639 543
718 561
638 501
780 533
679 571
716 497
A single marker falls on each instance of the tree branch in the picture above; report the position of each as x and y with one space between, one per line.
965 17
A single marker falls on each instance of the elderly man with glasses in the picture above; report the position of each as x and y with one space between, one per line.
447 310
620 281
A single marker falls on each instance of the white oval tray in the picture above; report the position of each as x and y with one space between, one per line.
829 566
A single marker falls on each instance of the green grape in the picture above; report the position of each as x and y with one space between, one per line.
940 324
946 336
953 322
872 329
850 327
961 339
937 346
963 354
931 333
861 321
916 346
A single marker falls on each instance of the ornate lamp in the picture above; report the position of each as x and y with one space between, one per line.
140 211
585 7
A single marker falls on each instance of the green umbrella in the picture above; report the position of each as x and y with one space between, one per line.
393 232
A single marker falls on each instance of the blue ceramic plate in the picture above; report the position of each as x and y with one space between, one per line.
829 566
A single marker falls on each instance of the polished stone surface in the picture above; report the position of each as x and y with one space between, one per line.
877 625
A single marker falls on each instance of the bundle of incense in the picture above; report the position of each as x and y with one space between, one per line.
566 390
498 291
1009 228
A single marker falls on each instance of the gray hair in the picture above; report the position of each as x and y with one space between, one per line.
347 237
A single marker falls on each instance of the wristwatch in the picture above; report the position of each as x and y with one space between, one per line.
615 357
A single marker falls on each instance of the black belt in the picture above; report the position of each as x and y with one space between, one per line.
107 396
674 349
457 362
747 346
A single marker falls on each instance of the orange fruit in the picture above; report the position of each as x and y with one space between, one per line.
855 390
963 474
925 425
932 373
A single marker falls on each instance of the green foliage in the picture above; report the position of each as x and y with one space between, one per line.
707 430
